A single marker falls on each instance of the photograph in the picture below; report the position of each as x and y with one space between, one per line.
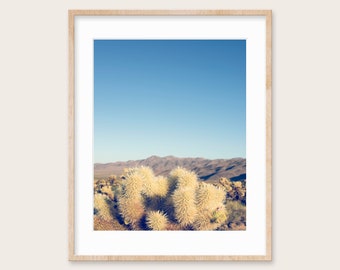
169 135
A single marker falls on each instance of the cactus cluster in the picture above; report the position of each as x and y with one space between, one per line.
139 200
236 190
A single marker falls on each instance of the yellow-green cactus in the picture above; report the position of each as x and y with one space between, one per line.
219 215
156 221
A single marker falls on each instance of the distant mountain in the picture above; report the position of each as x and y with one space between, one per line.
206 169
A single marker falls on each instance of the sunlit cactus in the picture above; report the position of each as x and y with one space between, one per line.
236 190
131 201
107 190
156 221
102 206
147 176
140 200
226 184
183 178
219 215
133 185
146 179
209 196
237 184
131 209
211 210
161 186
184 205
210 220
128 171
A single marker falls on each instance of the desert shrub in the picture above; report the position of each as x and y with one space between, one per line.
237 212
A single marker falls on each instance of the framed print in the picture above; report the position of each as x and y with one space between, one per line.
170 135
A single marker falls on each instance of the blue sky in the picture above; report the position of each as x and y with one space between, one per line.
185 98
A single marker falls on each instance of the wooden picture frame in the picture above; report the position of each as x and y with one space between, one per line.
74 99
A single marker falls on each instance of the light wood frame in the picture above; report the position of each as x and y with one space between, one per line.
71 124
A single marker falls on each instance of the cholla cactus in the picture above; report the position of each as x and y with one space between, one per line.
147 182
236 191
131 209
156 221
107 190
130 202
184 205
183 178
133 184
211 210
209 196
174 203
219 215
102 206
160 187
147 176
210 220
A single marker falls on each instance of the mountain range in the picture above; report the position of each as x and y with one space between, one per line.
209 170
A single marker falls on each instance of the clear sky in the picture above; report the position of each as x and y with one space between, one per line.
185 98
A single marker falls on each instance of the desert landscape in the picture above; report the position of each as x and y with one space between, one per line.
169 193
169 140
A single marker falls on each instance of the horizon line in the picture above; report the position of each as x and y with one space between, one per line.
168 156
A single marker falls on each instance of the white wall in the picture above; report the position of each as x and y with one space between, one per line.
33 132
